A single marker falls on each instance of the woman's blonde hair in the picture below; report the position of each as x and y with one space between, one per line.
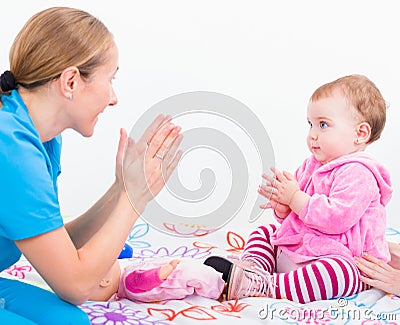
54 39
363 95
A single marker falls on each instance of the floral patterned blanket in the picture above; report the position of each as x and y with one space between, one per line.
370 307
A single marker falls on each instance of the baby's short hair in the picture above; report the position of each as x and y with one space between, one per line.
362 94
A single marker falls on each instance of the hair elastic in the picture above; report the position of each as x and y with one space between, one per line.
7 81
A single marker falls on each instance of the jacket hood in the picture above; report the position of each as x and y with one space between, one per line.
377 169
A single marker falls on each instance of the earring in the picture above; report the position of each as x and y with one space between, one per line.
70 97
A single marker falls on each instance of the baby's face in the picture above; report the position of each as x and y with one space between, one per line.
333 128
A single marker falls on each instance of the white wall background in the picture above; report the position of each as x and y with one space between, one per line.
271 55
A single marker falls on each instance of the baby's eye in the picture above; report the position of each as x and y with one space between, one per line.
309 124
323 125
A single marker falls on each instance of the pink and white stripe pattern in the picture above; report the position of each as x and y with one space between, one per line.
326 278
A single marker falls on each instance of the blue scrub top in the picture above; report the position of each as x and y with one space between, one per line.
29 169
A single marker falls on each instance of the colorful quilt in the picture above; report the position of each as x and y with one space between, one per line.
370 307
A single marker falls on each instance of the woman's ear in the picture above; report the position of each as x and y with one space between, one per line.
68 81
363 133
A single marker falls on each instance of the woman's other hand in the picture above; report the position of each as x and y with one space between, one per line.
379 274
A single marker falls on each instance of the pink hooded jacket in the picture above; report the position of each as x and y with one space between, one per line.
346 212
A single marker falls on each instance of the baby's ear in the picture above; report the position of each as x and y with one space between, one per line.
363 133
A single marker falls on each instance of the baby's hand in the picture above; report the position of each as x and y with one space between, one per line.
267 190
282 188
167 269
282 210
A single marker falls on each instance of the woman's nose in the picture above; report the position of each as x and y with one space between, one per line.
113 99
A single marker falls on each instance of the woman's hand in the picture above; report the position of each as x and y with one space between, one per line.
394 249
379 274
144 167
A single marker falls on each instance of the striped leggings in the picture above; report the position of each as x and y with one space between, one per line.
325 278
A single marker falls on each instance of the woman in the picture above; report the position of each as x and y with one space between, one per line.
62 64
